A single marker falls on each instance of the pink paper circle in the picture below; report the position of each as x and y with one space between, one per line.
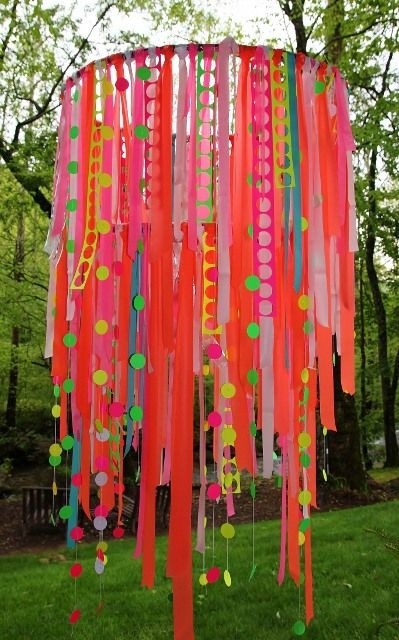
214 491
116 409
214 351
74 617
76 533
101 510
214 419
76 570
213 574
122 84
76 479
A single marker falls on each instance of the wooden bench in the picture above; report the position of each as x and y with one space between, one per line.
40 508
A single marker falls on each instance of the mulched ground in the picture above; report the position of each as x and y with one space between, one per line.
267 507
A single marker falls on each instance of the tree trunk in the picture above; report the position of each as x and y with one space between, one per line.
18 272
345 457
364 400
388 388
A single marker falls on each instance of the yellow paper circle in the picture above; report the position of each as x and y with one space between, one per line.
301 538
206 425
105 180
304 497
203 580
103 226
228 390
303 302
55 449
102 273
107 132
56 411
227 578
229 435
304 440
108 87
305 375
100 376
205 369
102 546
101 327
227 530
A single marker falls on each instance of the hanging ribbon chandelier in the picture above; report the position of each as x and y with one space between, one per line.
202 236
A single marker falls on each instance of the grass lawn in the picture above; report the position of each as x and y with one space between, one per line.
356 588
384 475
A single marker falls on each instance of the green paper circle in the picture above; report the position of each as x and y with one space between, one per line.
69 339
252 283
304 459
141 131
319 86
143 73
74 132
65 512
140 245
250 230
138 303
72 166
304 525
304 224
253 330
72 205
54 460
67 443
137 360
299 628
307 327
56 391
70 246
253 429
76 95
252 376
136 413
68 385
